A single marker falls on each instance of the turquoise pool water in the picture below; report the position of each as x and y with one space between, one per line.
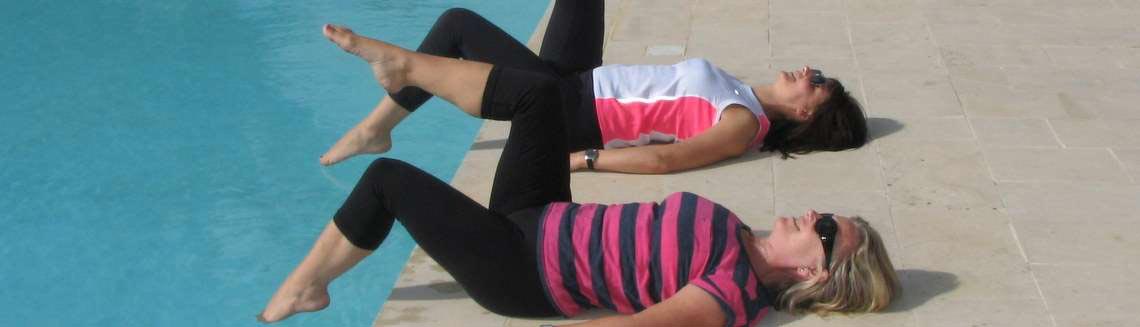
160 157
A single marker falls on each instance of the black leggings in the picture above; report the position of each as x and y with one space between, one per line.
571 48
489 251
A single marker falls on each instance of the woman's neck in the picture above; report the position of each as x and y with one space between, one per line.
757 251
766 95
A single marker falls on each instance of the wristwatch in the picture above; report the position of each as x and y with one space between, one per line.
591 156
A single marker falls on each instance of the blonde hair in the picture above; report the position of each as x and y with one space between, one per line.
864 281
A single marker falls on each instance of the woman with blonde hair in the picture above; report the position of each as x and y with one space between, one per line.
685 261
634 118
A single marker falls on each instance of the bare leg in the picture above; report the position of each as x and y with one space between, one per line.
306 289
371 135
457 81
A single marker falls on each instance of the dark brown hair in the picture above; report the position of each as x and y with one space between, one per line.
838 124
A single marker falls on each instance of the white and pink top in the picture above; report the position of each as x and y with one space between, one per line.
642 104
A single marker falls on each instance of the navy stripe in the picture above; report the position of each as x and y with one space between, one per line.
597 260
729 314
655 254
566 255
740 275
628 250
685 236
719 236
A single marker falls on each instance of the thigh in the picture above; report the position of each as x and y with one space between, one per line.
533 169
484 251
465 34
574 35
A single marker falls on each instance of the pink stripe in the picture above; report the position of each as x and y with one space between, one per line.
682 118
644 217
761 132
561 297
669 246
702 238
611 245
582 226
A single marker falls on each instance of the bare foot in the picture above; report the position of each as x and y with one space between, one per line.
287 302
388 62
358 140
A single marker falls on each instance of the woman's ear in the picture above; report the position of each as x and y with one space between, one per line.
802 113
804 274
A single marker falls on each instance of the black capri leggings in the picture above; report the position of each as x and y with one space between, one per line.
489 251
571 48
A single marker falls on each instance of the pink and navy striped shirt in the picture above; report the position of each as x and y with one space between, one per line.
627 257
642 104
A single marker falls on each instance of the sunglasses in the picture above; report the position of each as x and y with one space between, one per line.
816 77
827 227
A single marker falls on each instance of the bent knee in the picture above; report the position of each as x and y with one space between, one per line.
454 15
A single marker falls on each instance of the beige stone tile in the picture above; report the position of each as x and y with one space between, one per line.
826 37
1084 242
743 185
652 23
884 11
891 129
600 187
1037 15
730 9
625 49
425 295
1097 132
1087 57
1047 78
906 45
585 316
999 102
1130 159
1054 165
900 94
1014 132
1103 104
1087 319
979 4
853 170
981 33
937 174
1128 4
975 247
1097 295
991 56
1051 202
957 312
725 40
896 318
779 6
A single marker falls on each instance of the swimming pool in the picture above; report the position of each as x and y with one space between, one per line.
160 157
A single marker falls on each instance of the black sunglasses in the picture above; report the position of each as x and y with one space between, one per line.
827 227
816 77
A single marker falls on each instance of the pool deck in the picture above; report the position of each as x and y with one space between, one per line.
1004 173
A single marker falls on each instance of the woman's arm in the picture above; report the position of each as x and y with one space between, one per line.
727 138
691 306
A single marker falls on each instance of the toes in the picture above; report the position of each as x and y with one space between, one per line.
338 34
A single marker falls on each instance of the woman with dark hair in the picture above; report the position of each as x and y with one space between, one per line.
685 261
634 118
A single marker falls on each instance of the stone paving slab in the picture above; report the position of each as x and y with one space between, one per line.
1004 173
